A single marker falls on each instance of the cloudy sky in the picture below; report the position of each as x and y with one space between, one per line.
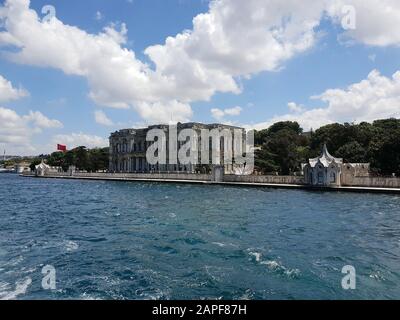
74 71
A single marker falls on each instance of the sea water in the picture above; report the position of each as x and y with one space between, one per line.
133 240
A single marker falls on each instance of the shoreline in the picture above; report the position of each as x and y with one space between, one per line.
354 189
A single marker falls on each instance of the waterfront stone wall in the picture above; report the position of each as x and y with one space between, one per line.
376 182
147 176
181 176
265 179
349 181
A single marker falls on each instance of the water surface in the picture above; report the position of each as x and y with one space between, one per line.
123 240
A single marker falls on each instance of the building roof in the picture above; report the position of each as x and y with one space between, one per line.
326 159
180 125
42 165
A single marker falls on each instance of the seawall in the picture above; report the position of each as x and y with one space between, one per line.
277 182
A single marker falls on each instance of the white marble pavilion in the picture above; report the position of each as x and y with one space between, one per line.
324 170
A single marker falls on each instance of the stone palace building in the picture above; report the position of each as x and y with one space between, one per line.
128 148
328 171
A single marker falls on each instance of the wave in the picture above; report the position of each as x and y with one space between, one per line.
88 297
219 244
21 287
223 245
13 262
71 246
275 266
256 255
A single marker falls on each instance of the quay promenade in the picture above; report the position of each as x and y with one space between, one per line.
277 182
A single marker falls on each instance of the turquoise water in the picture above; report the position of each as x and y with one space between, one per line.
114 240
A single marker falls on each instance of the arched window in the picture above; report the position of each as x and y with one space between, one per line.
333 177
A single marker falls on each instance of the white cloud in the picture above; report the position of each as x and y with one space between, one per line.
116 78
101 118
41 121
234 39
13 128
16 131
169 112
99 16
377 21
314 119
74 140
8 92
235 111
376 97
219 114
293 107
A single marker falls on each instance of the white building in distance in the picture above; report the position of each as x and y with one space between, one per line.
328 171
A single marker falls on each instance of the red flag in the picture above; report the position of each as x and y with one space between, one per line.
61 147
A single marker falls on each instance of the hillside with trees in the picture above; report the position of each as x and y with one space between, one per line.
90 160
284 146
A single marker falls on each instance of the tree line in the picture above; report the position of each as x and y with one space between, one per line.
285 146
90 160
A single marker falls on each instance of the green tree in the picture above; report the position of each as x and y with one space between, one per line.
384 148
98 159
352 152
56 159
34 163
264 161
82 160
284 147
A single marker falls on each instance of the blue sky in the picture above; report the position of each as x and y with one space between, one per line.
257 97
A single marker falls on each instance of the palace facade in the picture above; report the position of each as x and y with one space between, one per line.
328 171
128 149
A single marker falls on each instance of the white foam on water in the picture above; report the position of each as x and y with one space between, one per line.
28 270
21 287
377 276
271 264
274 265
247 295
154 296
292 273
15 261
214 273
87 297
4 286
256 255
219 244
71 246
278 267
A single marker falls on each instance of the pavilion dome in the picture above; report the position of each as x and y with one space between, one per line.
326 159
